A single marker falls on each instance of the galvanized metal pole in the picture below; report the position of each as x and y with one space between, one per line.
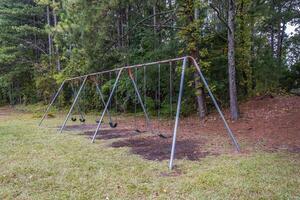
74 103
126 67
231 135
177 113
107 104
103 101
52 101
141 101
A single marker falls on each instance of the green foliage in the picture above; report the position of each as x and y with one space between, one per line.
291 78
98 35
17 33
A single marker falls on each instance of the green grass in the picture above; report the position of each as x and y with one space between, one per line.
39 163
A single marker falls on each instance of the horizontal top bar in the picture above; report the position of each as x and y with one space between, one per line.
126 67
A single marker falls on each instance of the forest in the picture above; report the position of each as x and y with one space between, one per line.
245 48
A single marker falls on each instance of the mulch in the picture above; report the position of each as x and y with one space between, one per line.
267 123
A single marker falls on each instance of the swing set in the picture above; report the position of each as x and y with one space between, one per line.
132 76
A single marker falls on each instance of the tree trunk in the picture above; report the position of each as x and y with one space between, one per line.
58 65
272 32
123 20
49 35
119 28
199 89
280 40
127 25
35 42
154 19
231 62
169 3
200 96
252 51
272 39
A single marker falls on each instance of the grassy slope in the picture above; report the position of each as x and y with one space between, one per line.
38 163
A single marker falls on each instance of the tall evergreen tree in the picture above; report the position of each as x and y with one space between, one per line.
22 44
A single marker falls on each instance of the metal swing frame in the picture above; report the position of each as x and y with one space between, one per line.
111 123
177 118
81 115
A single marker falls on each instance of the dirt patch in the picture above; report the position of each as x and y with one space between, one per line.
157 148
267 123
5 111
271 123
106 134
80 127
294 149
175 172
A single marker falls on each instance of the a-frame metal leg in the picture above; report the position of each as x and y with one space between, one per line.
177 114
231 135
107 104
103 101
74 103
140 100
52 101
78 106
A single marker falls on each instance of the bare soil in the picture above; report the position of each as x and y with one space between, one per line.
5 111
106 134
267 123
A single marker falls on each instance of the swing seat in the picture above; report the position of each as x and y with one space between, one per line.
74 119
82 120
163 136
138 131
113 125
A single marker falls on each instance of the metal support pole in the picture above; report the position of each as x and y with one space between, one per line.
140 100
107 104
74 102
171 90
177 113
52 101
231 135
103 101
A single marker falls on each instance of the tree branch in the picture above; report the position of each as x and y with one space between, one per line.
33 45
164 26
220 17
138 23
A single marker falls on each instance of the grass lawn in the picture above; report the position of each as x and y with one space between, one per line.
39 163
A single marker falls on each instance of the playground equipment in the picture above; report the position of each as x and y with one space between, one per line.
132 75
81 115
111 123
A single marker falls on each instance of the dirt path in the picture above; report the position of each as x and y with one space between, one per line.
5 111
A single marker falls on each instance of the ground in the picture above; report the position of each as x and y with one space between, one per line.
38 163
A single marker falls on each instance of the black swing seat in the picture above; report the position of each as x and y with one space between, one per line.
113 125
74 119
163 136
97 121
82 120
